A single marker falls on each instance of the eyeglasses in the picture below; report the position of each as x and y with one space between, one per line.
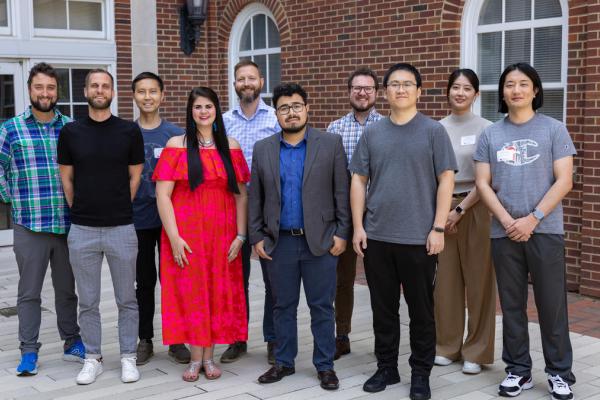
404 85
285 109
367 89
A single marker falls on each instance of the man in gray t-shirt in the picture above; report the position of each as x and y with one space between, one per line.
408 162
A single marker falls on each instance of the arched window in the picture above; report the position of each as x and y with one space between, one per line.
254 36
497 33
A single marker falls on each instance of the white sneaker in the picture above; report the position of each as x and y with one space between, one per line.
513 385
471 368
558 388
443 361
89 372
129 372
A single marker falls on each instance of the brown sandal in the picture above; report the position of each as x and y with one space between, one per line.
192 372
211 371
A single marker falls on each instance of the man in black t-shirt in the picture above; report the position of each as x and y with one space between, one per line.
101 159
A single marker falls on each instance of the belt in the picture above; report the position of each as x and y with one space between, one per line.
293 231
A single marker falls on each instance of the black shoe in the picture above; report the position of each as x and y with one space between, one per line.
271 353
179 353
144 352
276 373
234 352
382 378
419 388
342 347
329 380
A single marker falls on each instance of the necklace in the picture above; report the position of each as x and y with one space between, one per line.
205 143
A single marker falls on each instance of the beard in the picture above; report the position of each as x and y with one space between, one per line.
38 106
99 105
248 98
294 129
359 108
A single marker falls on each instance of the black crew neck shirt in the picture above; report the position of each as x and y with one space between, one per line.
100 153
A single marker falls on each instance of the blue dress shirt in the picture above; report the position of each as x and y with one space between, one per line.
291 172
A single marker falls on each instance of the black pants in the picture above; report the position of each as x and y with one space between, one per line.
146 276
542 257
387 267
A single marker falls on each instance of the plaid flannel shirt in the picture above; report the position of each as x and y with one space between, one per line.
351 130
29 177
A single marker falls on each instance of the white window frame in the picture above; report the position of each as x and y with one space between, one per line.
87 64
469 44
234 44
10 17
106 7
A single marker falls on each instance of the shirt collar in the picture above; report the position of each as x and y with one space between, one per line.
29 114
370 117
262 106
284 143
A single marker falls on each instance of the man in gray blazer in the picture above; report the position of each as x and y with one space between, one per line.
299 221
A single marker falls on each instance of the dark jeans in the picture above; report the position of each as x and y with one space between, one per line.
268 328
542 257
146 275
292 264
387 267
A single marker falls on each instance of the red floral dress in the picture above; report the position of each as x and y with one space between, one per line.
204 303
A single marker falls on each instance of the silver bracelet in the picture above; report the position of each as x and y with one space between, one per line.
241 238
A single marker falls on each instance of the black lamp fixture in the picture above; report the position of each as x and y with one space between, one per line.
191 17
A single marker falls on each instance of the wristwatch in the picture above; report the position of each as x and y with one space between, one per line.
459 210
438 229
538 214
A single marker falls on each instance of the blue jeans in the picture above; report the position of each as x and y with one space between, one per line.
292 264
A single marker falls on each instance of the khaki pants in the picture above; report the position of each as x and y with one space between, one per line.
465 265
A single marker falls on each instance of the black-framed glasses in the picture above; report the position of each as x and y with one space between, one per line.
367 89
285 109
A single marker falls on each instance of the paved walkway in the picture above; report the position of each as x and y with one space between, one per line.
161 379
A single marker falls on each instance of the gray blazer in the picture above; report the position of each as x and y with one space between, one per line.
325 192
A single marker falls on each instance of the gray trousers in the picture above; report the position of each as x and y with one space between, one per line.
542 256
33 251
87 247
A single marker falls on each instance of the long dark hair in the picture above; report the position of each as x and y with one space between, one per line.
195 175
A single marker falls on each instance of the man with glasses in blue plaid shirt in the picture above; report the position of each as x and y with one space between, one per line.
30 181
248 122
362 89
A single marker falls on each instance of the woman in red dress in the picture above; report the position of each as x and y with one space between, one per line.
202 202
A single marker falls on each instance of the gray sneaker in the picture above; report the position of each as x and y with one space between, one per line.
145 351
179 353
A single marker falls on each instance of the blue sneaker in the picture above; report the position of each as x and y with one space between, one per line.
28 365
76 352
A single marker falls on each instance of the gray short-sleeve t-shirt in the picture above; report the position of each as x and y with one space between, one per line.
521 158
402 163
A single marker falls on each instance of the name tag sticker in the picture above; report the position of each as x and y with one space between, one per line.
468 140
157 152
505 155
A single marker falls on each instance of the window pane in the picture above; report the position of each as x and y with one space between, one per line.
517 47
260 31
63 84
491 12
65 109
518 10
261 61
547 52
7 97
274 71
78 84
246 40
85 16
547 9
489 106
3 13
489 64
50 14
80 111
268 101
553 103
273 34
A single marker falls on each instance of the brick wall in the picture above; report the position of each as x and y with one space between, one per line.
123 39
322 41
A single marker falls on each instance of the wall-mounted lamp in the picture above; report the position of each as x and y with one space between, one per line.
191 17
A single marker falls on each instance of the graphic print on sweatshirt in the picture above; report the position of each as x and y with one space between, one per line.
516 153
